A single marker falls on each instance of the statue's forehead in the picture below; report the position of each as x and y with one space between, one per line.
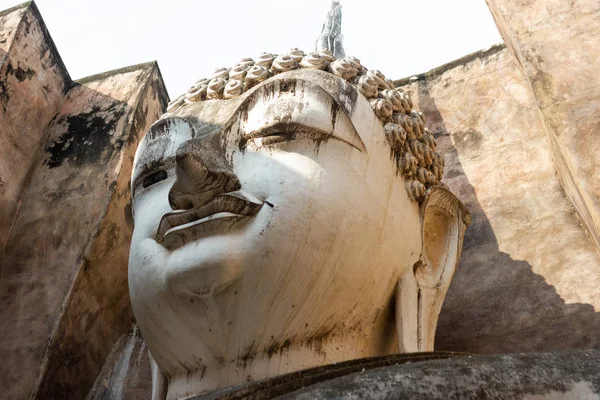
210 116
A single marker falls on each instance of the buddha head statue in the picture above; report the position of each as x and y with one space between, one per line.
288 214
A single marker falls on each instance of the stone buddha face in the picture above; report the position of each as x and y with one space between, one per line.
274 232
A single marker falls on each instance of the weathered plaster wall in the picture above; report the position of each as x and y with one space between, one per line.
66 152
529 275
98 311
556 44
33 82
66 257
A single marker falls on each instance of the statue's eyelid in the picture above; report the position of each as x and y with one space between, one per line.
296 130
283 132
155 174
284 127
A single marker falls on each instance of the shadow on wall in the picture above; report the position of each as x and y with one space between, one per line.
497 304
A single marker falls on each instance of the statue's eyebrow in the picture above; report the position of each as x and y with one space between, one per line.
333 122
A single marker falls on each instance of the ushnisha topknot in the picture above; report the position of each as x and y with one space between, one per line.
413 146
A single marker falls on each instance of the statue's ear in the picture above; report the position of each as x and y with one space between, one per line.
445 220
421 292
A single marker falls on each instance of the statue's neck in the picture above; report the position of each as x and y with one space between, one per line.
285 359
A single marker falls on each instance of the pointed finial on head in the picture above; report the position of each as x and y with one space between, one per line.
331 37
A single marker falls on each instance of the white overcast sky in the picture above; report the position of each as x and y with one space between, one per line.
190 39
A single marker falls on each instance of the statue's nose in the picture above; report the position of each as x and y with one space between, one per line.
202 172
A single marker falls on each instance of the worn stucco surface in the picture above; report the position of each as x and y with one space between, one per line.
556 45
32 86
66 258
98 310
65 165
528 274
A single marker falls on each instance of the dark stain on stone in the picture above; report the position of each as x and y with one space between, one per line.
4 95
139 122
265 93
348 95
20 73
247 356
112 187
335 109
159 91
316 341
128 215
286 85
319 140
453 173
468 140
88 138
278 346
85 264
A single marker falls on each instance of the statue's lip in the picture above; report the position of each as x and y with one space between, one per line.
234 203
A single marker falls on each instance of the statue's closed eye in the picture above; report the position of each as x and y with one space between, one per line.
278 137
281 133
268 139
153 178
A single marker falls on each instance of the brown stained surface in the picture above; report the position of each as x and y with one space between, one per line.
65 164
99 310
32 86
528 275
556 43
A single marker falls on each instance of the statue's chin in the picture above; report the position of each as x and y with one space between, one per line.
200 276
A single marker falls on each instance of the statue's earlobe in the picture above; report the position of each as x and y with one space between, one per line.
421 292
